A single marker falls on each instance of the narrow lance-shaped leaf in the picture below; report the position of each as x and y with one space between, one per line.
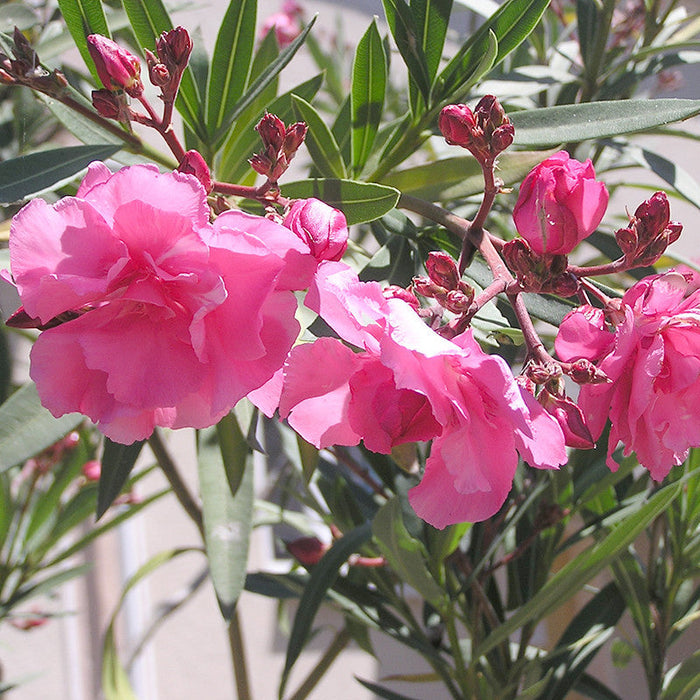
319 140
27 428
408 42
227 518
510 25
230 63
148 19
367 94
262 81
569 579
432 19
322 578
29 175
84 17
359 201
550 126
117 462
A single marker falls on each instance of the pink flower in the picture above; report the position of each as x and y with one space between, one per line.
152 315
286 23
323 228
560 203
652 358
117 68
407 384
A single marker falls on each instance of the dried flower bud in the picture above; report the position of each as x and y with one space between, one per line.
583 371
194 164
280 144
110 105
118 68
564 285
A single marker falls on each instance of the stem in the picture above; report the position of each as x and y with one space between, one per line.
179 487
340 641
240 667
461 671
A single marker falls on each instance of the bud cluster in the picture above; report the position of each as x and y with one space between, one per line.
649 232
539 273
280 144
485 132
166 66
443 284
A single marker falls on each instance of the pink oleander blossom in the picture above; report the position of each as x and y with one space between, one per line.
559 204
408 383
652 358
286 23
170 319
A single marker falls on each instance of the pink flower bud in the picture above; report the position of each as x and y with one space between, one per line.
194 164
92 469
560 204
457 123
442 270
118 68
322 227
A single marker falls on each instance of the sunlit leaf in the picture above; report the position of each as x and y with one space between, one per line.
84 17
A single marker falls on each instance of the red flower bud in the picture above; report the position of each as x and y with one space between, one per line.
110 105
442 270
307 550
118 68
457 123
92 470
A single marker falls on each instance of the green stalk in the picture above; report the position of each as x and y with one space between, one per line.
240 666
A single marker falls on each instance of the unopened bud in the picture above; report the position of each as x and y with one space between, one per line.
442 270
92 470
174 48
457 302
323 228
502 137
194 164
456 123
272 131
109 104
583 371
117 68
293 138
307 550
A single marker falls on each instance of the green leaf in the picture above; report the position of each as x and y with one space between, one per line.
27 428
230 63
359 201
460 176
234 449
243 141
588 14
587 564
262 81
84 17
382 692
117 462
585 634
396 262
227 519
405 554
432 18
308 455
321 579
408 41
367 95
682 682
148 19
551 126
509 26
27 176
319 140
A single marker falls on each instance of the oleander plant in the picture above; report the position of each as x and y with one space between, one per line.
429 282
